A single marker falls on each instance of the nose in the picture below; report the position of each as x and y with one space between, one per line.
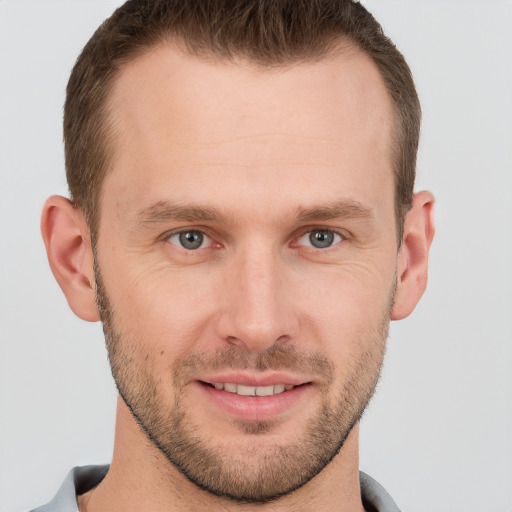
258 308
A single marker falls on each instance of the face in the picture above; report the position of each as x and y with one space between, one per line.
246 261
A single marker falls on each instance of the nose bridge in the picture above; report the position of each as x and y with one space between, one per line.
259 314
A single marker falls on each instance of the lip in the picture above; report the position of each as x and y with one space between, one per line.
253 408
248 379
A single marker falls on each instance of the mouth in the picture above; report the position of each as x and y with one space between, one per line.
245 390
250 400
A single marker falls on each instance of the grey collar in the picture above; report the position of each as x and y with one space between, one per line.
82 479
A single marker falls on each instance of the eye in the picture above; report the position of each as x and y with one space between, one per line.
190 240
320 238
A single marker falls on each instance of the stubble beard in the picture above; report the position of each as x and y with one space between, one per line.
260 471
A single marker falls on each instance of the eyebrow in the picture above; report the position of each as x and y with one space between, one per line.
164 211
347 209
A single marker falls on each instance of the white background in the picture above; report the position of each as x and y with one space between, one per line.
438 434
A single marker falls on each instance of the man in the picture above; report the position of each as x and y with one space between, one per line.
242 221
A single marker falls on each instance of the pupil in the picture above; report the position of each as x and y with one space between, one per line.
191 239
321 239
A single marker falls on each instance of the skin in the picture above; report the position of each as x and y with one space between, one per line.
311 138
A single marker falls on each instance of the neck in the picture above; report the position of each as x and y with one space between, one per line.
141 478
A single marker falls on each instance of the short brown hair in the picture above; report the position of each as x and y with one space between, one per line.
267 32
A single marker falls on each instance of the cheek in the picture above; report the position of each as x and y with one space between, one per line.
162 308
347 311
348 294
338 307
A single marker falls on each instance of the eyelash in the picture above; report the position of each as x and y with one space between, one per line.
206 237
342 236
328 231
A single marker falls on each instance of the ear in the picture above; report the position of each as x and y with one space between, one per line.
413 255
67 241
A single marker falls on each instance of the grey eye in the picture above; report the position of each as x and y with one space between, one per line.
320 238
189 240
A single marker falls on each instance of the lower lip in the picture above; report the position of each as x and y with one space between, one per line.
254 408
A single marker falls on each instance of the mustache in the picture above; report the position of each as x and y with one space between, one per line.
281 357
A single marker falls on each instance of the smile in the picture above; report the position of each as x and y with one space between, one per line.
243 390
254 398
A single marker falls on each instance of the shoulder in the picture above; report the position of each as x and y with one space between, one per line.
79 480
375 497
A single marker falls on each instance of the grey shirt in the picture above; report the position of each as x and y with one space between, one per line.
81 479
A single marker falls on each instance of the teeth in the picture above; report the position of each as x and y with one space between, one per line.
242 390
265 390
245 390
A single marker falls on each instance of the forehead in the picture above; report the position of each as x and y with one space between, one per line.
186 125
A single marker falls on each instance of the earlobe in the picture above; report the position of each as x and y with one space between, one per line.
412 267
67 241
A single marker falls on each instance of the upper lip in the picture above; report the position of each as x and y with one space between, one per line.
251 379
